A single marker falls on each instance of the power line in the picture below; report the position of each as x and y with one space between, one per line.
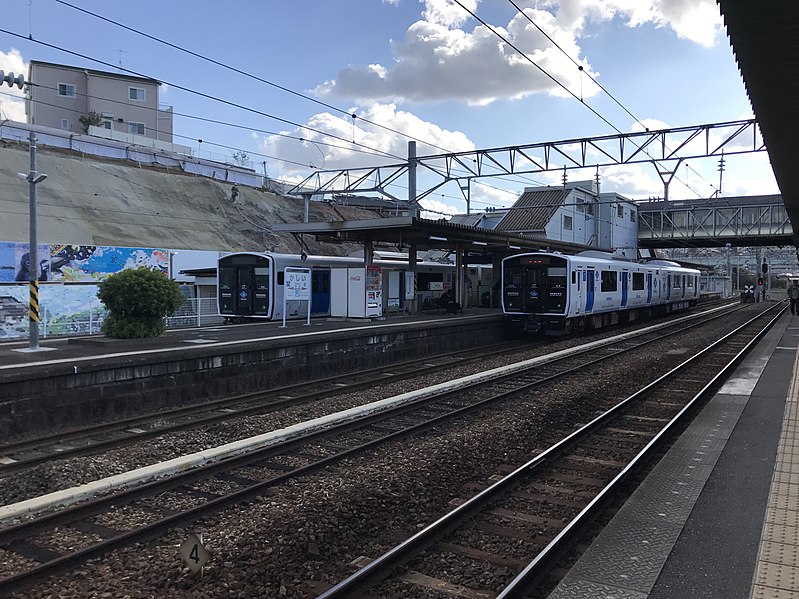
246 74
201 94
252 76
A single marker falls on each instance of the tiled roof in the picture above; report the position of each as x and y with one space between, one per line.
532 210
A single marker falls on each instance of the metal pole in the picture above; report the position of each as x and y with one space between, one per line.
33 257
414 207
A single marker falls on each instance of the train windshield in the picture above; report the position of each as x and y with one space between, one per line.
535 283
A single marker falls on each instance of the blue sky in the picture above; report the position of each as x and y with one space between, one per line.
424 68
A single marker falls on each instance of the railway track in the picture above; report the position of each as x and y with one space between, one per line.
145 512
26 453
499 543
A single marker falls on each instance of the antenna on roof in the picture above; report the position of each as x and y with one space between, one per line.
121 70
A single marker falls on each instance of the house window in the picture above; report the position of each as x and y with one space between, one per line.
136 128
620 211
580 204
65 124
66 90
567 223
589 208
136 93
632 216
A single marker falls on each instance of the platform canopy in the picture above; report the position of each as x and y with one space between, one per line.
404 231
765 39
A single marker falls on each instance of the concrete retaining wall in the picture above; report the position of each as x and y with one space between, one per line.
66 396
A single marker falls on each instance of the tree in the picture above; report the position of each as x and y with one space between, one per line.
241 158
137 301
91 119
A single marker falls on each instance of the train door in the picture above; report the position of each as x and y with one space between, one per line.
244 290
577 291
320 291
624 287
649 288
589 289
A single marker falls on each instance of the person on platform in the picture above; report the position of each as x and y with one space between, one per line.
793 294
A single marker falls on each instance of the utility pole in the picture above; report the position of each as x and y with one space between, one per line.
33 258
33 254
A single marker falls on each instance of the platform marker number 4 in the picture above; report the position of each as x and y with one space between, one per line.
193 552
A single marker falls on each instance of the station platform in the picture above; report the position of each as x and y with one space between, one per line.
718 517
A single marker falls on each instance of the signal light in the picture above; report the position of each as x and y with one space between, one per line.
9 78
760 280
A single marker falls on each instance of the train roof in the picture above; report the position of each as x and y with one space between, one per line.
607 258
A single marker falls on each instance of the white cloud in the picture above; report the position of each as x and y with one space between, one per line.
446 12
11 98
339 154
696 20
440 59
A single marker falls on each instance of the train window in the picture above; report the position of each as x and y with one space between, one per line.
638 281
676 282
610 280
691 281
280 277
574 277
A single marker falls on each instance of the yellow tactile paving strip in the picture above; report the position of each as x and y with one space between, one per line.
777 572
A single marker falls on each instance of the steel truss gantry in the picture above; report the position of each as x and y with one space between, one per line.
737 221
662 148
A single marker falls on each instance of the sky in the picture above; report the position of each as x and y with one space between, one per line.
279 81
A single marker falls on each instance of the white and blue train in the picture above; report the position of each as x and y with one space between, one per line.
554 294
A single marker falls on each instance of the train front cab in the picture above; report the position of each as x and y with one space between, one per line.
535 292
244 288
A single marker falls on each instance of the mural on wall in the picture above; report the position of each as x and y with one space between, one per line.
15 262
64 310
76 263
89 263
69 273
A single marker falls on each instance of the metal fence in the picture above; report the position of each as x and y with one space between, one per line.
87 318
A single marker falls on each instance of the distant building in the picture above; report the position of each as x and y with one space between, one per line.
59 95
576 213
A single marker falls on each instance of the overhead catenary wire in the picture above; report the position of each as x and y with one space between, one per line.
597 83
551 77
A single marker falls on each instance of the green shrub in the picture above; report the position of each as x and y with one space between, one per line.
137 301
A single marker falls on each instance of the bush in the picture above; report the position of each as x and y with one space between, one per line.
137 301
